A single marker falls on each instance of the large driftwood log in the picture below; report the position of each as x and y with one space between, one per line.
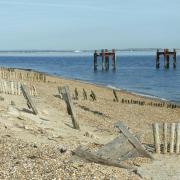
28 98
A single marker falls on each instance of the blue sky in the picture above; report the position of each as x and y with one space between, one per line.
89 24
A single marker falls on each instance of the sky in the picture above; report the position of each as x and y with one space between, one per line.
89 24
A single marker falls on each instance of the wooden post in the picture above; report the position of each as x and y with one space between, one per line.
156 137
35 91
172 138
92 95
5 87
103 63
115 95
165 137
84 94
95 60
12 88
167 61
166 58
19 88
157 59
174 59
28 98
114 60
177 137
106 60
76 93
70 106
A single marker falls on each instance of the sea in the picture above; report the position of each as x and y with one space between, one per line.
135 71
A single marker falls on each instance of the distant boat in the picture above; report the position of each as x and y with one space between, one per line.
77 51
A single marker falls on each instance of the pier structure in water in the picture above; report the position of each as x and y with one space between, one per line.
166 53
105 56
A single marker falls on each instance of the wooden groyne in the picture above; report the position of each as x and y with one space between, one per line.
105 55
21 75
166 53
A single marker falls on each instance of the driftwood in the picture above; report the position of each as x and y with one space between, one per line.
28 98
70 106
84 153
133 140
123 147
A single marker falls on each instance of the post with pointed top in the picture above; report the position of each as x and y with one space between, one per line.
157 59
95 60
113 59
174 59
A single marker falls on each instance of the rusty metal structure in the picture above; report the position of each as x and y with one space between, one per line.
105 54
166 53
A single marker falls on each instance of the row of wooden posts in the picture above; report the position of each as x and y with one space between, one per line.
12 74
123 101
142 103
166 138
14 88
85 95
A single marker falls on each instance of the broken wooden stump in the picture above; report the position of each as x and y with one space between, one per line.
76 94
115 96
30 103
92 95
84 94
70 107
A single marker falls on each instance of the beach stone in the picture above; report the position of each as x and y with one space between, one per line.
12 103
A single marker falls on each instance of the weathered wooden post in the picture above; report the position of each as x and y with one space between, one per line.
157 59
103 63
106 60
76 93
70 106
95 60
19 88
115 95
165 137
177 137
156 137
166 58
12 88
174 59
113 59
92 95
84 94
28 98
172 138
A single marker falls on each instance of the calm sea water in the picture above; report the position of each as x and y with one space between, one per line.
135 73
